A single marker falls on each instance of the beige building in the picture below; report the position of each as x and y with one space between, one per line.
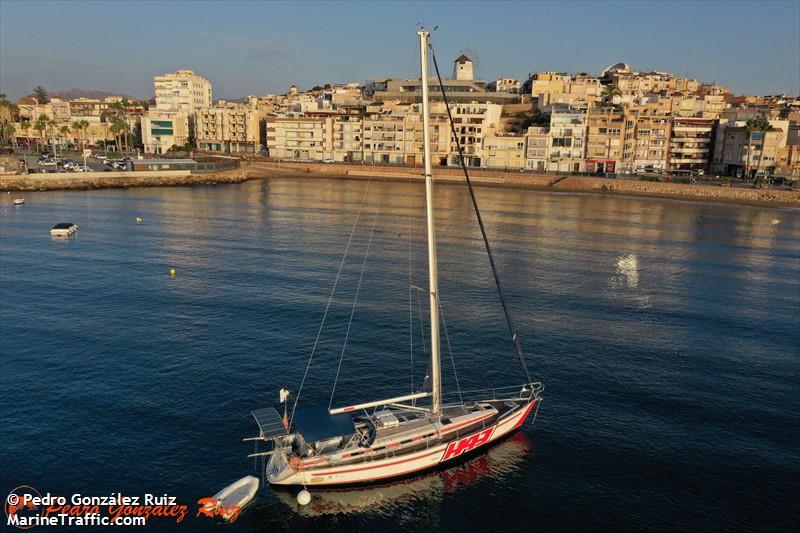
300 139
348 138
472 122
609 141
651 142
182 90
457 90
229 128
744 153
505 85
690 144
553 88
56 109
506 151
537 140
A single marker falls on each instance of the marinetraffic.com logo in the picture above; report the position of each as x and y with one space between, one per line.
21 505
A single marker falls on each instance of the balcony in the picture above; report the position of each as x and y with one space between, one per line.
676 160
689 149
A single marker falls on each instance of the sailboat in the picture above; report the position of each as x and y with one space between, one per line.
381 440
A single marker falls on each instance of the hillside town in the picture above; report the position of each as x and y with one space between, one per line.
620 122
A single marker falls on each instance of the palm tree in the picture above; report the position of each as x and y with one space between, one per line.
25 125
80 127
126 130
116 128
76 127
51 126
762 126
65 132
8 133
41 125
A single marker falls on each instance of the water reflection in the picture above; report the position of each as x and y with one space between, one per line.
500 460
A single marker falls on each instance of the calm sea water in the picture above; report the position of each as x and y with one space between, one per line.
667 333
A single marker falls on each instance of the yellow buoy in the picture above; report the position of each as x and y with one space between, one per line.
172 272
138 220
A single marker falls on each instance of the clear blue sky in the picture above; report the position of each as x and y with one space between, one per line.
260 47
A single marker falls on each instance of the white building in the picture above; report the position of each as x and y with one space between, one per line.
462 68
182 90
567 139
163 129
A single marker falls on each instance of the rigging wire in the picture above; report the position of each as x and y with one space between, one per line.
355 303
330 299
511 327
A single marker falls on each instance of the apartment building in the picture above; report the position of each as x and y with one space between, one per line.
745 153
506 151
472 122
348 138
536 143
397 137
440 135
182 90
89 109
56 109
383 138
567 139
690 144
651 141
553 88
300 138
505 85
654 82
229 128
609 141
458 91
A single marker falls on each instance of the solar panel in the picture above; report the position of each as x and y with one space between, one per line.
269 422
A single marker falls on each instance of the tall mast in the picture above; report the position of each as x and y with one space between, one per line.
436 376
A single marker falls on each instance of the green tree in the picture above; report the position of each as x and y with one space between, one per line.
41 95
608 94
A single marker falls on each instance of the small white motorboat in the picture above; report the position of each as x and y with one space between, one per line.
19 201
231 500
63 229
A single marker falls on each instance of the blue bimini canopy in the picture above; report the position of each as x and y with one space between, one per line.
315 423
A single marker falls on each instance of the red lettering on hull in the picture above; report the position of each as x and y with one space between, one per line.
456 448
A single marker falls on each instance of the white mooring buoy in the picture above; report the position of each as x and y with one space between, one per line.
303 497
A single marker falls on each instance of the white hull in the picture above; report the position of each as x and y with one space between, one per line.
316 475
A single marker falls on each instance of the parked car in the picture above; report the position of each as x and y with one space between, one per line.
48 162
80 168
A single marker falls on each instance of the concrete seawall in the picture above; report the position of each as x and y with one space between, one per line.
750 196
487 178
